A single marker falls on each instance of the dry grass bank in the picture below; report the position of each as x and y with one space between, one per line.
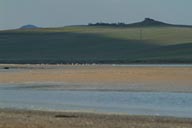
106 77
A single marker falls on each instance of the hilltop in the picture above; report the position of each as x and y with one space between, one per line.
151 43
29 26
149 22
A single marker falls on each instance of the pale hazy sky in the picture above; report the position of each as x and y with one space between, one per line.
55 13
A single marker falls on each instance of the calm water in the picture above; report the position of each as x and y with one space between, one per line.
136 103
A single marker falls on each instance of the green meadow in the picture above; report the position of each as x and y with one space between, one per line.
94 44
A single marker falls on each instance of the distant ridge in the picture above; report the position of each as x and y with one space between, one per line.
29 26
147 22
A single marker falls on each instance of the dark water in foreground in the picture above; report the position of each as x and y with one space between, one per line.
136 103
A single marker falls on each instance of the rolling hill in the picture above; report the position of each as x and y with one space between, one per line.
149 41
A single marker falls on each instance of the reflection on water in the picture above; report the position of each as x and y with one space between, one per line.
136 103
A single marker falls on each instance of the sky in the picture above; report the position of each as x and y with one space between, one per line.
58 13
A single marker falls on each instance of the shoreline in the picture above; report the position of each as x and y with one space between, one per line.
47 87
11 118
160 78
94 64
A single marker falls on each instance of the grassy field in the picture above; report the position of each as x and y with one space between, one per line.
91 44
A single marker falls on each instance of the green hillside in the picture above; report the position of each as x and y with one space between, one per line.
97 44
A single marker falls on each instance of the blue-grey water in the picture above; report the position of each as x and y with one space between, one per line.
134 103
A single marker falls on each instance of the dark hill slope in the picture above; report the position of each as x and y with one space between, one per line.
68 48
92 44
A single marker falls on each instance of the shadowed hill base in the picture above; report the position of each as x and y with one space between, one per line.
85 44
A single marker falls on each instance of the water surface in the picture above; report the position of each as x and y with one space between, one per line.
135 103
